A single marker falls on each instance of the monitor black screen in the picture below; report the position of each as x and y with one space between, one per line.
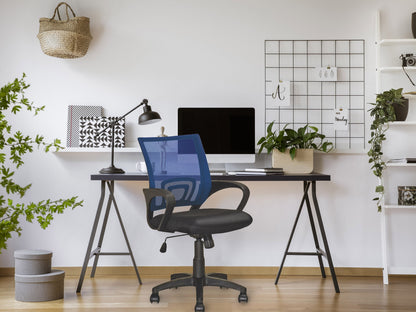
224 130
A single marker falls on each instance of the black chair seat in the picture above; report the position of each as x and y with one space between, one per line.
205 221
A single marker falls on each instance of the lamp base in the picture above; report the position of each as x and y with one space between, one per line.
111 169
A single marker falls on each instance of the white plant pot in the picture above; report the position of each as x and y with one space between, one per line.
302 163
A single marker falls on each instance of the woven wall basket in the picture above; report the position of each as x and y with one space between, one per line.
68 38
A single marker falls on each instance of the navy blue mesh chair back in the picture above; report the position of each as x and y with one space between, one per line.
177 164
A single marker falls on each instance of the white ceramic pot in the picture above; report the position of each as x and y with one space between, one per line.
302 163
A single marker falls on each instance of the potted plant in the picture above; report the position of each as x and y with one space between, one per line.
293 150
13 147
387 108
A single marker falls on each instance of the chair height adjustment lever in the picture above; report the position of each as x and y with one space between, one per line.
208 241
164 246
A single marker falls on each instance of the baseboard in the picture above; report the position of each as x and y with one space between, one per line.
246 272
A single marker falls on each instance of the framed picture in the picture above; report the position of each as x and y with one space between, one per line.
91 127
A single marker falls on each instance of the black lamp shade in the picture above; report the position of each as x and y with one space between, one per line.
148 116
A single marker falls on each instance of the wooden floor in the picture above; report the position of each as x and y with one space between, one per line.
293 293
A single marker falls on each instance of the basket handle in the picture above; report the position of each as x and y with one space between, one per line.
67 13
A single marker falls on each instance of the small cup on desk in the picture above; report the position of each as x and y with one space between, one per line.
141 166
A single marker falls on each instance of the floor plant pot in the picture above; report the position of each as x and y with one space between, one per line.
401 110
302 163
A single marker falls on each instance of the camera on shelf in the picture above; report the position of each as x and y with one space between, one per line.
408 59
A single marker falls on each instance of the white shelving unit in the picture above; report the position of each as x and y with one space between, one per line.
380 72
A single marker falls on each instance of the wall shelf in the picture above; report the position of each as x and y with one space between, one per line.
98 150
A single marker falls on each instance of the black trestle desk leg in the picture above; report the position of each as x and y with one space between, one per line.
92 236
315 237
305 195
321 226
103 228
124 232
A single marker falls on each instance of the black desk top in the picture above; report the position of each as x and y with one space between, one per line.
136 176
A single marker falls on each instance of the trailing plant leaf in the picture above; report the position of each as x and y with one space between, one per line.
304 137
383 113
13 146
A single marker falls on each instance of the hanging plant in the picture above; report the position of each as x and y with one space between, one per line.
383 113
13 146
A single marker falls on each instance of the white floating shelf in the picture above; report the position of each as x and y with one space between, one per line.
99 150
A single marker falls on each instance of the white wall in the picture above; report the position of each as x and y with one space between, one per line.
202 53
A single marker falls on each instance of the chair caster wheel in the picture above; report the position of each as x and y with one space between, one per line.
154 298
242 297
199 307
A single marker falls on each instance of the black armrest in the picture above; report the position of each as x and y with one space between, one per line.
151 193
220 185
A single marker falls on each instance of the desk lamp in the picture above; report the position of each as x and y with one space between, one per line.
146 118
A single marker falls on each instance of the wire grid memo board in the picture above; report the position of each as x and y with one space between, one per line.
313 100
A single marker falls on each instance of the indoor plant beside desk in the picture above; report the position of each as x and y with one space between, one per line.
293 150
14 145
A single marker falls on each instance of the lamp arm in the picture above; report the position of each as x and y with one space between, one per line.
144 102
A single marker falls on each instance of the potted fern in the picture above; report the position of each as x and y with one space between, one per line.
293 150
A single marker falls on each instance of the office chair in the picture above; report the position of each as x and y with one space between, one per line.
179 176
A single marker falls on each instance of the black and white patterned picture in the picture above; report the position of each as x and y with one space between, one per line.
90 127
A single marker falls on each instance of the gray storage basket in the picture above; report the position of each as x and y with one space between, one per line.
43 287
32 262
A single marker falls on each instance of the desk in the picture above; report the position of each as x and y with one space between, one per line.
309 183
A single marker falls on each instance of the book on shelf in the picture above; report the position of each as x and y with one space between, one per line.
217 172
267 170
244 172
405 160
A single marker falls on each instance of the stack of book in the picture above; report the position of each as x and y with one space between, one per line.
257 171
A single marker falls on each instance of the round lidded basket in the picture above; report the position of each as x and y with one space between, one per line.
42 287
32 262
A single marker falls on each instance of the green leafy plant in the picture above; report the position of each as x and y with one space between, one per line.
383 113
13 146
304 137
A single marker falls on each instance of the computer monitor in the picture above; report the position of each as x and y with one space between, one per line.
227 133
